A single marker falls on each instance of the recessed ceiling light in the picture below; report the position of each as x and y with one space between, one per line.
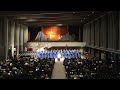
50 13
22 17
59 24
31 20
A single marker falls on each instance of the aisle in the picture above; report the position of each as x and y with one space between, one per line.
59 70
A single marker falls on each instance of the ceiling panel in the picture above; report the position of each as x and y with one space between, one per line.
40 18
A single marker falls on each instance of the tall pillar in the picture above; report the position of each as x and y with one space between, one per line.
99 52
12 29
1 36
6 36
9 39
25 36
119 33
79 34
17 38
1 40
21 38
9 34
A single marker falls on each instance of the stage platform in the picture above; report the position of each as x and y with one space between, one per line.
36 45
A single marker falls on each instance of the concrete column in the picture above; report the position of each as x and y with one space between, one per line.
99 52
89 34
25 36
21 38
1 32
17 37
109 32
84 33
6 36
119 32
92 32
12 29
9 39
9 34
79 34
1 40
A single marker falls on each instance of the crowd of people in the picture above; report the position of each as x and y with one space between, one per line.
90 69
26 68
41 67
64 53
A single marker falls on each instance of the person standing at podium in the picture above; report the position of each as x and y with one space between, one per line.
58 56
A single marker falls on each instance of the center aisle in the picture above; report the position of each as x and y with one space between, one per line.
59 70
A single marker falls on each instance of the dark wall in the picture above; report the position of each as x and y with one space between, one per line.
103 32
74 30
33 32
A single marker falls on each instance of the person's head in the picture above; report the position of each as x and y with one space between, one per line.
75 73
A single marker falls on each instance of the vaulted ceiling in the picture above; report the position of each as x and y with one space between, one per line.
48 18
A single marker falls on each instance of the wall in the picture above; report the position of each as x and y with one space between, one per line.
104 32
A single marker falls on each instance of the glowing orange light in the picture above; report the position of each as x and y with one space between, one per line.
54 33
55 37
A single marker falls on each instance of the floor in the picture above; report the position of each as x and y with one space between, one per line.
59 70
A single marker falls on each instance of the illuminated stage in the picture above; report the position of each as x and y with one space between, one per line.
37 45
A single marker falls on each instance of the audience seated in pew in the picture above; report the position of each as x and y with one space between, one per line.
89 69
26 68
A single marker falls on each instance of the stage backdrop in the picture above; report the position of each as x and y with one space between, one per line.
54 33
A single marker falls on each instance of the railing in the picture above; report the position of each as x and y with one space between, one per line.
37 45
54 41
27 53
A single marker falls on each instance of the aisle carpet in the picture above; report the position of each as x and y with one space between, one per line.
59 70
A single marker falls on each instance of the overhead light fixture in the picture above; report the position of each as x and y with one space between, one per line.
59 24
30 20
92 12
22 17
50 13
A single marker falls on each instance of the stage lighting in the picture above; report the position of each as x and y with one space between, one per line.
59 24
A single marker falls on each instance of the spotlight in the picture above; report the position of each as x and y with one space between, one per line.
59 24
30 20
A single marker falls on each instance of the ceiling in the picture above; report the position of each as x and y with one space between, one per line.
48 18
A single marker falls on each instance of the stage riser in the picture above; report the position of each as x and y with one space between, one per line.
37 45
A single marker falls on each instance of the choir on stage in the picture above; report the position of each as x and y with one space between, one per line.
74 53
